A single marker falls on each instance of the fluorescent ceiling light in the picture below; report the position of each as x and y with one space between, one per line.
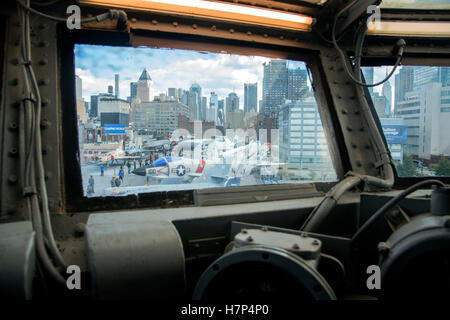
214 10
410 28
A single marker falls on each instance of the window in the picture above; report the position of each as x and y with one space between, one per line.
180 120
419 144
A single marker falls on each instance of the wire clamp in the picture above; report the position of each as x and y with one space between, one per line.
29 191
26 63
29 97
385 159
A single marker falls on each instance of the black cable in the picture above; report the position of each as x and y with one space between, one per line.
120 15
390 204
343 57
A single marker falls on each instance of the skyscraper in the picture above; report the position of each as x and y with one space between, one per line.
426 75
368 76
110 89
173 92
221 117
195 87
274 87
387 92
296 84
279 84
192 101
404 81
145 91
116 85
250 97
203 109
232 102
133 90
93 111
79 87
213 107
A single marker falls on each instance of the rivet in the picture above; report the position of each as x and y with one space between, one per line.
339 97
231 30
331 68
154 22
13 125
43 26
344 111
265 229
45 124
281 37
352 98
367 147
175 24
13 82
361 129
335 82
358 164
80 229
349 129
357 112
12 152
315 243
12 178
295 246
249 239
354 146
15 62
133 20
45 102
48 175
194 26
213 28
43 44
44 82
46 149
43 62
244 231
249 33
265 35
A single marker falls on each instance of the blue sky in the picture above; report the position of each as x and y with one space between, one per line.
221 73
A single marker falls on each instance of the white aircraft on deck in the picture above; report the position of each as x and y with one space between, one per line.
116 157
224 161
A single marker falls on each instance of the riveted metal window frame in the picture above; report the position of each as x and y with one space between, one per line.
74 200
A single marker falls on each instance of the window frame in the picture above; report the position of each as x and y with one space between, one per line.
414 60
73 196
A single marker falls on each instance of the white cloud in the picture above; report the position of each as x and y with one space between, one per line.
221 73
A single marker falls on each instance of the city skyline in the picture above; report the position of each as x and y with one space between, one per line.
169 68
